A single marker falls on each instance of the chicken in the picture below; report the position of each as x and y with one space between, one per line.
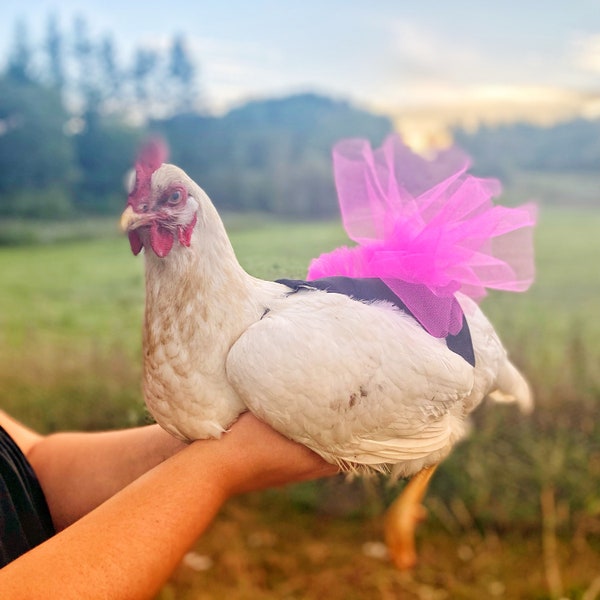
358 379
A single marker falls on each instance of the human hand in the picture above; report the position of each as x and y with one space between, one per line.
254 456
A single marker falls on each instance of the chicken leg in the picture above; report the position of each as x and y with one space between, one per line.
402 518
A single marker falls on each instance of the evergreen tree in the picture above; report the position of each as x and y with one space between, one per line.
89 96
111 74
36 157
145 64
182 74
20 60
105 149
54 47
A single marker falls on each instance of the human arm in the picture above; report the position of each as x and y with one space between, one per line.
130 544
80 470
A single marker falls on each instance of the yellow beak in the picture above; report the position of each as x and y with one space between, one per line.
130 219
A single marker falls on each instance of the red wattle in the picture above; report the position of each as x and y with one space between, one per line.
135 241
161 240
185 233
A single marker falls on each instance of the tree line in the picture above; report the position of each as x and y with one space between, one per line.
72 115
73 112
572 146
91 78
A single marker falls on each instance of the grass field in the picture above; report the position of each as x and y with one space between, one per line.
514 512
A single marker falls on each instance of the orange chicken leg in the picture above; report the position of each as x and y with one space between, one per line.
402 518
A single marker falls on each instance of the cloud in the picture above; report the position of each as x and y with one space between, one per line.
427 54
585 52
232 70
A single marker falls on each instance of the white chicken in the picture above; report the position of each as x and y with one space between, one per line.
359 381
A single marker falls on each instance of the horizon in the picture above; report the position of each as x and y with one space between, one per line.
424 66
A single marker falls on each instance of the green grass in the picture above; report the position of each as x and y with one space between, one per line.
71 312
23 232
70 328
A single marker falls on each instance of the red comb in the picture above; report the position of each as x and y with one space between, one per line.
153 153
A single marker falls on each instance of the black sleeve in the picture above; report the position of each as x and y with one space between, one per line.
25 519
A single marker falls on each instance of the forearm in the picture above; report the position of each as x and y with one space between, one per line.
79 471
129 545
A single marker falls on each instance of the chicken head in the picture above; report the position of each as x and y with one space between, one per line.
157 212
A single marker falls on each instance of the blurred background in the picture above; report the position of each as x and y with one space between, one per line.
251 97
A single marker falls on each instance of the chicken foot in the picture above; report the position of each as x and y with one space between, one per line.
402 518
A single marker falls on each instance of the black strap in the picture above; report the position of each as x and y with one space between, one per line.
373 289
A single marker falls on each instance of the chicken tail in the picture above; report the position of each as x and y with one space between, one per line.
513 387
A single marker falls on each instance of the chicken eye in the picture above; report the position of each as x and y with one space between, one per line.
175 197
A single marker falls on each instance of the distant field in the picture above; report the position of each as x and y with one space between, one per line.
70 320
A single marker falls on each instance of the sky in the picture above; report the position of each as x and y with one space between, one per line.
417 57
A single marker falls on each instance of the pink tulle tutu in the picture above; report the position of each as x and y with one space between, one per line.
428 229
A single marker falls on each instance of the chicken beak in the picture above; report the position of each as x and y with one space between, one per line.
130 219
